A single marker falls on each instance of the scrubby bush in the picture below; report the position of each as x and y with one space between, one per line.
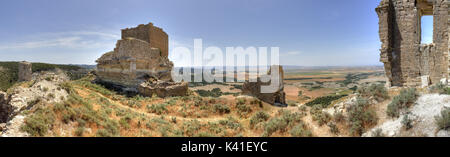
378 91
318 115
300 130
79 131
242 108
443 120
230 123
39 123
440 88
221 108
282 123
360 116
402 101
333 128
407 122
191 127
157 108
258 117
125 121
339 117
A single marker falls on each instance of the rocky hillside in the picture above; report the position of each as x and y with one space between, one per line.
53 105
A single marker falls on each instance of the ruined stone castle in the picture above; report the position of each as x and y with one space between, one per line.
141 55
407 62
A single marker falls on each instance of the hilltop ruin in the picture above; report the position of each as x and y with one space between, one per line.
407 62
141 55
277 98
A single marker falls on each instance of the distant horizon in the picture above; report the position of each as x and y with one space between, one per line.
284 65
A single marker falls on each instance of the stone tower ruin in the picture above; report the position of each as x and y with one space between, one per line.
25 71
407 62
142 53
140 64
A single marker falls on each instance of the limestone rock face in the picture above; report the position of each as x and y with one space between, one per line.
25 71
275 98
163 88
138 56
406 60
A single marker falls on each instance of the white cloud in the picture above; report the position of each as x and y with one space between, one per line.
291 53
73 39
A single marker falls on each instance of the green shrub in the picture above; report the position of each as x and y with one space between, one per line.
378 91
230 123
360 116
39 123
157 108
242 108
191 127
300 130
258 117
318 115
282 123
333 128
440 88
79 131
125 121
339 117
221 108
110 129
402 101
443 120
407 122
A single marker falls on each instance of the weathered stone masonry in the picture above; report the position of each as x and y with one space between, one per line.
140 64
407 62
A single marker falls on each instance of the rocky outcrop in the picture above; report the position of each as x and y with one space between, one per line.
44 89
163 88
138 56
25 71
422 116
407 62
277 97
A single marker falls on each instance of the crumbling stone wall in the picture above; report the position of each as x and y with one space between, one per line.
155 36
405 59
277 98
25 71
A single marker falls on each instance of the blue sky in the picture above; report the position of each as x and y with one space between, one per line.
308 32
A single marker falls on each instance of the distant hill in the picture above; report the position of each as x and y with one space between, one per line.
85 66
9 70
